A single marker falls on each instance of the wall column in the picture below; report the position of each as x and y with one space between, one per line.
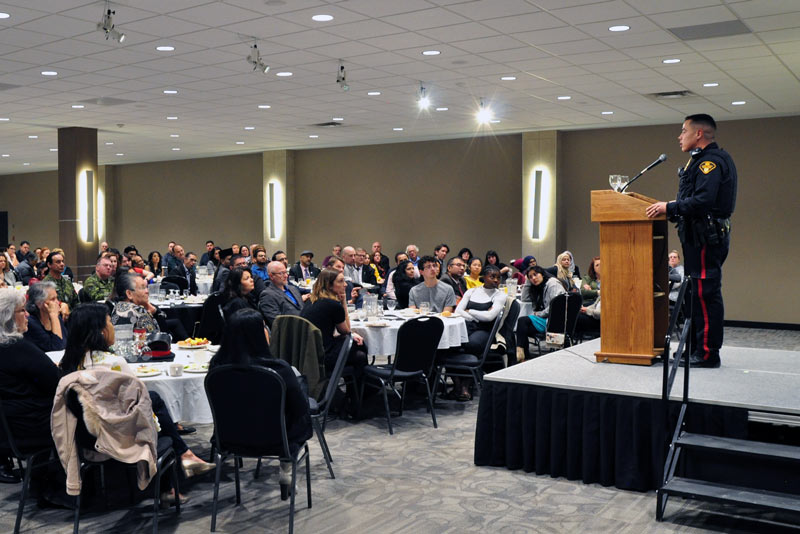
278 201
539 167
77 198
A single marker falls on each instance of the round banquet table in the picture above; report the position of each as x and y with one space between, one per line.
185 396
382 341
187 313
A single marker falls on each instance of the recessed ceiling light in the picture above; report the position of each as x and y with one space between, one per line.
397 129
494 121
508 78
78 106
313 136
165 48
607 113
738 103
322 18
619 28
249 127
170 91
175 148
49 73
431 52
26 163
3 118
119 154
442 109
264 106
33 137
53 150
4 15
565 97
239 142
373 93
172 118
109 143
174 135
671 61
5 155
711 84
283 74
338 119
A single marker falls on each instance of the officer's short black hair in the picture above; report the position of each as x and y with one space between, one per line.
707 122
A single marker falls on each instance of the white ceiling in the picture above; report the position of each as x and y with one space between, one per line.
553 47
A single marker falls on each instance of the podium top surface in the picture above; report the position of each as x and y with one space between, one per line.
610 206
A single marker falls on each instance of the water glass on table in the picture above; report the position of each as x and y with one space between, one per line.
425 308
391 304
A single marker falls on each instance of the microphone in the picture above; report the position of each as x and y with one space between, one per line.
662 158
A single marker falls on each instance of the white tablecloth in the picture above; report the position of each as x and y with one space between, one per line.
382 341
185 395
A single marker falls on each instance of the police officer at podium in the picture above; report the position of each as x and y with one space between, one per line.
702 211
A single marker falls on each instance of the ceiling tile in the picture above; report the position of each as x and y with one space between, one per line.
616 9
525 23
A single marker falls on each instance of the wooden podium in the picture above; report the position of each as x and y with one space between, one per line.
635 281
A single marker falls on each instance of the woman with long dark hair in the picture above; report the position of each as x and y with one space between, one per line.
403 280
492 258
541 291
239 291
154 262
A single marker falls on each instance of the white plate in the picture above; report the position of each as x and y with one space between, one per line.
194 370
193 347
377 325
154 372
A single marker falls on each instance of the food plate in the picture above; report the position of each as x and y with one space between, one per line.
196 368
194 343
192 347
377 324
144 371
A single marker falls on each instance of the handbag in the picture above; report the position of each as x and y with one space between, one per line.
556 339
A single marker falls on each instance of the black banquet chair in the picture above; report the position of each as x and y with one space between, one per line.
319 409
248 407
417 341
563 317
179 281
212 320
27 460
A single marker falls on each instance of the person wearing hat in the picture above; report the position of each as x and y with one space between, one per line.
305 268
522 265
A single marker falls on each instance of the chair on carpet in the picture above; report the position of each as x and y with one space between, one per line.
248 407
319 409
296 340
417 341
179 281
84 440
562 319
212 320
470 365
26 459
503 350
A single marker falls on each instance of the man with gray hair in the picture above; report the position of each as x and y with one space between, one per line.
412 251
280 297
99 285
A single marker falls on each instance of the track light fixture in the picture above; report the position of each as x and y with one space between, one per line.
107 25
341 77
484 114
423 101
254 58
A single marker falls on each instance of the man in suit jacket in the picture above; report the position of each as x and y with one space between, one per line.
304 268
185 268
280 297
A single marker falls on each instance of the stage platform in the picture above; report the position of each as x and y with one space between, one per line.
566 415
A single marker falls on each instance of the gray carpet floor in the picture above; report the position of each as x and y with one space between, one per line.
421 480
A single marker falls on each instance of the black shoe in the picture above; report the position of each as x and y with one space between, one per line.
712 362
183 430
7 474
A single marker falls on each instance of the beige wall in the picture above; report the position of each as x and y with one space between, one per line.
764 249
465 192
32 205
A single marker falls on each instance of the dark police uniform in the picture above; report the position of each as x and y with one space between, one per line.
706 199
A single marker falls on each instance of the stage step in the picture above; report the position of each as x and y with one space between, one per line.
738 446
723 493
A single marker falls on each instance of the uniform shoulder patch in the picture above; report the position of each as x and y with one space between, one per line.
707 166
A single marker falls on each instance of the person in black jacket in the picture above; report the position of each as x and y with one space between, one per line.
46 328
403 279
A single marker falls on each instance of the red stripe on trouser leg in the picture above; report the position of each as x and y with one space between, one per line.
700 297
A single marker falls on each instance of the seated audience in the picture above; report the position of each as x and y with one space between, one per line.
336 251
541 291
25 271
25 253
258 267
280 297
64 288
465 254
675 274
46 328
91 336
493 259
7 274
223 270
561 271
403 280
304 268
375 261
239 291
389 290
100 283
11 255
132 306
473 278
522 265
209 253
140 267
246 342
589 319
439 295
186 268
383 262
590 285
479 308
244 251
412 251
367 272
281 257
336 263
454 277
214 261
67 270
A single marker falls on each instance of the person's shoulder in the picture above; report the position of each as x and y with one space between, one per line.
445 286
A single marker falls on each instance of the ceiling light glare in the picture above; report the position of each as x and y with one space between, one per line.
171 135
172 118
239 142
254 58
565 97
738 103
322 18
4 15
494 121
619 28
484 113
431 52
313 136
373 93
397 129
442 109
423 101
109 143
508 78
175 148
5 155
78 106
170 91
165 48
53 150
106 25
337 119
249 127
711 84
671 61
26 163
264 106
607 113
33 137
119 154
3 119
283 74
49 73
